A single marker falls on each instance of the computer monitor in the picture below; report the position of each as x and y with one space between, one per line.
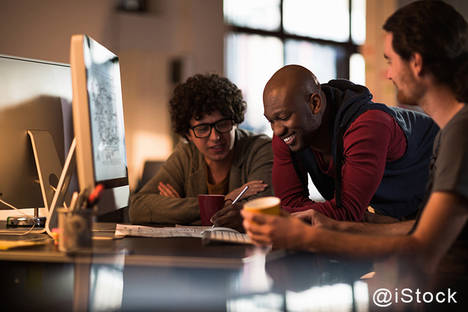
98 122
35 96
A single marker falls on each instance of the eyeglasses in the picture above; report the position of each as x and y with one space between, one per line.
204 130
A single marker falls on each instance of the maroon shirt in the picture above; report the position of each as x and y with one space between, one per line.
371 141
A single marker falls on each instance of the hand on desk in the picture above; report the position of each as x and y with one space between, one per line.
167 190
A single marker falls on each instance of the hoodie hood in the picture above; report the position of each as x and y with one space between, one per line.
345 92
341 95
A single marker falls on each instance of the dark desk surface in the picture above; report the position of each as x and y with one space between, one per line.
177 274
139 251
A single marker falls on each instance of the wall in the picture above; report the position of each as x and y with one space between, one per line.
191 30
377 12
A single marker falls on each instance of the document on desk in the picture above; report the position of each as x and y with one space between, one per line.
149 231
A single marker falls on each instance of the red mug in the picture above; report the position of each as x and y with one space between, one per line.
209 204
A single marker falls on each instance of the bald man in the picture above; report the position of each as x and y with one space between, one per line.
427 56
357 152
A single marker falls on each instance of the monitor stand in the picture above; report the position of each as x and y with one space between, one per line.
48 169
47 164
62 189
54 190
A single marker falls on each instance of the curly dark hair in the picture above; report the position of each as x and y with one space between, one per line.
205 94
440 34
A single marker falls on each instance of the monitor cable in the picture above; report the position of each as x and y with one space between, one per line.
7 232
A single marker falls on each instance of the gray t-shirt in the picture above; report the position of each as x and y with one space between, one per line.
449 173
450 167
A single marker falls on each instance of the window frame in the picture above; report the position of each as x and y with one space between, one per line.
343 62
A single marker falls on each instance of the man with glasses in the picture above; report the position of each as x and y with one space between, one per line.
216 157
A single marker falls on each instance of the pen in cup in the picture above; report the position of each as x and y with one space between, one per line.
93 198
74 201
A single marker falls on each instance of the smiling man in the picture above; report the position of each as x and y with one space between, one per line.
215 157
427 53
357 152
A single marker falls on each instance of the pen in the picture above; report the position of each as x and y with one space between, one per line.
240 195
93 198
74 201
81 202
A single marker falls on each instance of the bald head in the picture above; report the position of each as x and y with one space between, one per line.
292 78
294 106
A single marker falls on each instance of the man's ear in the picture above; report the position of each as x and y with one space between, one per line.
315 102
416 64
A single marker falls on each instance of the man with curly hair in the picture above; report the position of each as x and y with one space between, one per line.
216 157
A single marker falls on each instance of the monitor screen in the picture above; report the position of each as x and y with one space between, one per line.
98 121
34 95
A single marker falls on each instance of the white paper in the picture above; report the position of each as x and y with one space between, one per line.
149 231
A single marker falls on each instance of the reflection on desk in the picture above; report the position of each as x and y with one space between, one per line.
178 274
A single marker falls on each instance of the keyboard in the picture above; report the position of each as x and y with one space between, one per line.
219 237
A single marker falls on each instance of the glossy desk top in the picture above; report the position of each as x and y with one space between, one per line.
179 274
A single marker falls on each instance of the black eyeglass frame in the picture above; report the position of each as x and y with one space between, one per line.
212 125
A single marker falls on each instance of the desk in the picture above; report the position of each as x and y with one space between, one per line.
173 274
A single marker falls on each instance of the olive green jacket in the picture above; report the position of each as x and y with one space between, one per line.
186 171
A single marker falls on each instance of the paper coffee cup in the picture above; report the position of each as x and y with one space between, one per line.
267 205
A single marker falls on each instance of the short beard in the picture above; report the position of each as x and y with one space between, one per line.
405 100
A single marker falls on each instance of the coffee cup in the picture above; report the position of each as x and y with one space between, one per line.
266 205
209 204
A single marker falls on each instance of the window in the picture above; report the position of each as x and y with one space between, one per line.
264 35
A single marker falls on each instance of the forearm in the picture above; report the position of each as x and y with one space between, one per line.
155 208
397 228
149 206
343 213
286 179
297 206
292 233
357 246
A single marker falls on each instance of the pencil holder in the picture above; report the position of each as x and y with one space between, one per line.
75 230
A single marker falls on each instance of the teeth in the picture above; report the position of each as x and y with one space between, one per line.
288 139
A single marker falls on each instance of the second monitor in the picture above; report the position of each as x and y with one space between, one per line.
98 122
35 95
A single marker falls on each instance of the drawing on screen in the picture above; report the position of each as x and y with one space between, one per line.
105 121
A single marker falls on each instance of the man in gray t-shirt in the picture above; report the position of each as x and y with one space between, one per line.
449 174
450 169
